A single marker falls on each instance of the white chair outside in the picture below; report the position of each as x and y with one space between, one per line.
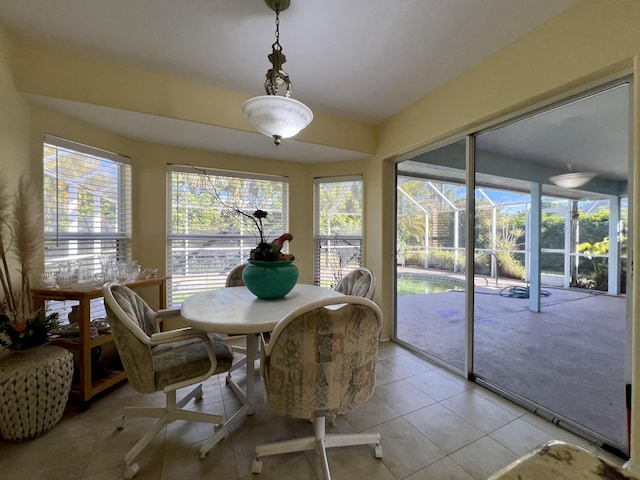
162 361
320 361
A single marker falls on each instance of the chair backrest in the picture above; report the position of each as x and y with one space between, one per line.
322 361
132 322
234 279
360 282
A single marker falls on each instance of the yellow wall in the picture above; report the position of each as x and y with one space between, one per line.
149 165
59 74
14 120
14 126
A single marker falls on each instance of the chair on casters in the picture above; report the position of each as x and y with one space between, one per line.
360 282
320 360
166 361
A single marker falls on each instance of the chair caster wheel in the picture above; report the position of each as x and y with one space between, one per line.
333 421
203 455
120 424
378 451
131 471
197 395
256 466
227 379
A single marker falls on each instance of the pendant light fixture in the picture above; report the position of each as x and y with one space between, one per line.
274 115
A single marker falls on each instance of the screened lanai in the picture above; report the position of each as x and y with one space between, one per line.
575 235
521 286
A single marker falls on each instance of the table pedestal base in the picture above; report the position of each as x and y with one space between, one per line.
247 398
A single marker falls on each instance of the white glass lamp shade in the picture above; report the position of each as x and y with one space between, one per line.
275 116
572 180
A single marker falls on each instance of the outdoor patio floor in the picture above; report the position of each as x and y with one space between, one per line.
569 357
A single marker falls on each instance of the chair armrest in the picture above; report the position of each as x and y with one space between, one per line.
175 335
168 312
184 334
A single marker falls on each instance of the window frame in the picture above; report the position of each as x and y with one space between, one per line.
223 254
353 242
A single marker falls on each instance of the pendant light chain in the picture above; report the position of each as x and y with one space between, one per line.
277 43
277 116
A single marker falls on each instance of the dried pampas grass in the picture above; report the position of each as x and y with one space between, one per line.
22 238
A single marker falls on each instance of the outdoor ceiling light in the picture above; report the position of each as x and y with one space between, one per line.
572 180
272 115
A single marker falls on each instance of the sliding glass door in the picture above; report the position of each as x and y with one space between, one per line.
547 270
431 253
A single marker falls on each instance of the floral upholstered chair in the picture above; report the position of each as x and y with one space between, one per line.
161 361
360 282
234 278
320 361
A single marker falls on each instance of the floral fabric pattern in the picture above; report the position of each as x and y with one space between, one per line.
151 368
323 363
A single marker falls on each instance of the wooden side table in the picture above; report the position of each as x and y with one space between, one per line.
34 389
87 386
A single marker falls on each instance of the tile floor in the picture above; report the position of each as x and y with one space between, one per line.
434 425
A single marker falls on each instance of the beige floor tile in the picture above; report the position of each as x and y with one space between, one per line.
390 349
48 457
405 365
285 466
404 449
348 463
520 437
385 375
444 428
183 461
483 457
436 385
429 413
403 397
502 402
113 444
486 416
372 413
443 469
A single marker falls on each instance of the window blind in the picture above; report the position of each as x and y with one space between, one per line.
338 228
206 236
87 207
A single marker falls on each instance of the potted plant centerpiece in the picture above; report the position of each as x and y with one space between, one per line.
271 273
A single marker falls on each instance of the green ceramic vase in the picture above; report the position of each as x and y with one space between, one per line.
270 280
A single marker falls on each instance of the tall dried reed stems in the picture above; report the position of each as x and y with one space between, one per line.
21 245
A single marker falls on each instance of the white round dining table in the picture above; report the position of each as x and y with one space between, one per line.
235 310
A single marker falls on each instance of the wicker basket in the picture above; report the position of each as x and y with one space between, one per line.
34 389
